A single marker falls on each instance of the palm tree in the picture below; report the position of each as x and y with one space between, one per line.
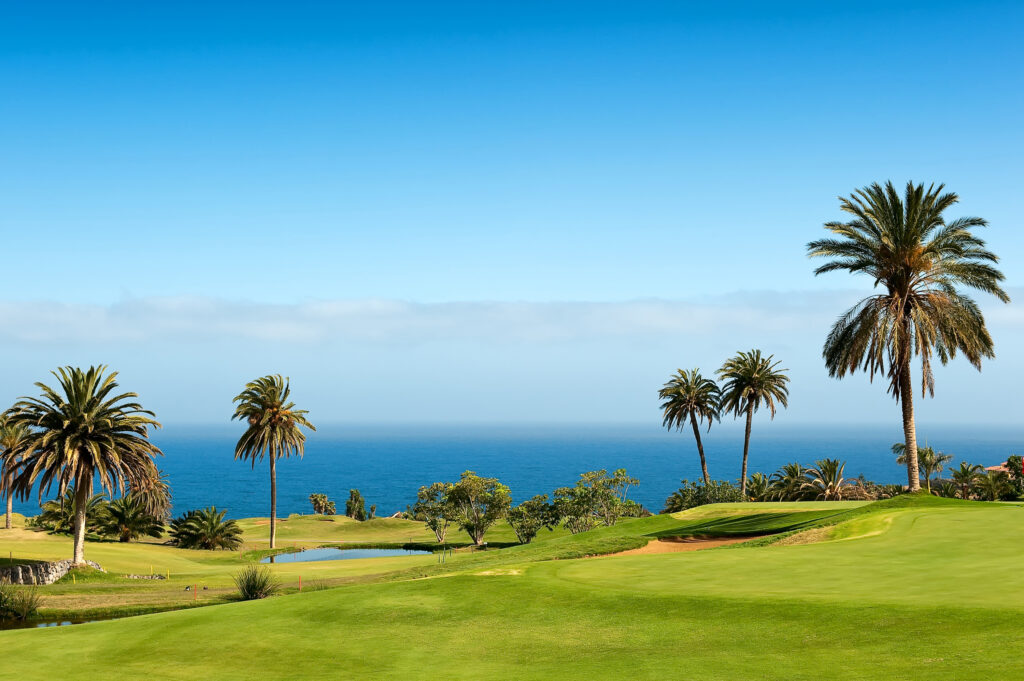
12 440
750 381
274 430
824 480
919 261
993 485
929 462
788 482
965 478
126 518
58 515
80 432
691 397
758 487
205 529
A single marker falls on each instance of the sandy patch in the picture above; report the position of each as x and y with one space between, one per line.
677 545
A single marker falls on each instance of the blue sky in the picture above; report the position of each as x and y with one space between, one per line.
552 205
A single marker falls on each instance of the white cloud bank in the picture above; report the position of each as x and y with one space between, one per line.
385 321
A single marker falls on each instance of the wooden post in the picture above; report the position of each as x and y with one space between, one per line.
300 582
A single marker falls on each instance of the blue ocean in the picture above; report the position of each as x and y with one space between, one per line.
389 463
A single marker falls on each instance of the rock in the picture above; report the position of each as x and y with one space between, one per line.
40 573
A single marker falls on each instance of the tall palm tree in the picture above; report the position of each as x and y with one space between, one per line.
273 430
689 397
920 262
12 441
965 477
82 431
929 461
750 381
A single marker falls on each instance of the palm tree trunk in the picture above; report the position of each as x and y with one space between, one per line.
700 449
746 451
10 510
83 490
909 430
273 500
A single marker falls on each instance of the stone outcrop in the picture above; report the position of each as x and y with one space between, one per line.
39 573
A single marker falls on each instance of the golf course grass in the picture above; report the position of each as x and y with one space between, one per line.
907 588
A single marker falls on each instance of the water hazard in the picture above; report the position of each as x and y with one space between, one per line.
312 555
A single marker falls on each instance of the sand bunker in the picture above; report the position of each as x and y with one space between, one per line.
677 544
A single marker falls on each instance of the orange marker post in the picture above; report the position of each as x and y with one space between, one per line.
300 582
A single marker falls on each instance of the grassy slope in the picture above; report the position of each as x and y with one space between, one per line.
899 591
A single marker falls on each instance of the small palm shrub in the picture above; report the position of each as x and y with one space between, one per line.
255 582
18 604
759 487
58 515
205 529
126 518
698 494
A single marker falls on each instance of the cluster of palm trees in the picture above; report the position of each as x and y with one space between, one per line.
749 381
971 481
84 432
795 482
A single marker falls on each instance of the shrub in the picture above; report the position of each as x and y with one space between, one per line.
322 505
698 493
126 518
255 582
18 603
205 529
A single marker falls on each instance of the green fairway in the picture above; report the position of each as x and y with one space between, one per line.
925 589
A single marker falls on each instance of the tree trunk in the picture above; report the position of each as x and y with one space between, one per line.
746 450
909 431
10 510
273 500
83 490
700 449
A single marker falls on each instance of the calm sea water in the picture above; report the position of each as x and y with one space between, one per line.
388 464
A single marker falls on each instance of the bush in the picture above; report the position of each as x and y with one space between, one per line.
255 582
322 505
205 529
698 493
18 604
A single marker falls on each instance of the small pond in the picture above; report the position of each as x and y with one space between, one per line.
311 555
37 624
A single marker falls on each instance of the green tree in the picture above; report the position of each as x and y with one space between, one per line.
965 477
127 519
929 462
824 480
58 515
274 430
699 493
322 505
921 263
691 398
758 487
205 529
478 503
993 486
355 507
787 483
531 516
83 431
434 507
13 437
750 381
